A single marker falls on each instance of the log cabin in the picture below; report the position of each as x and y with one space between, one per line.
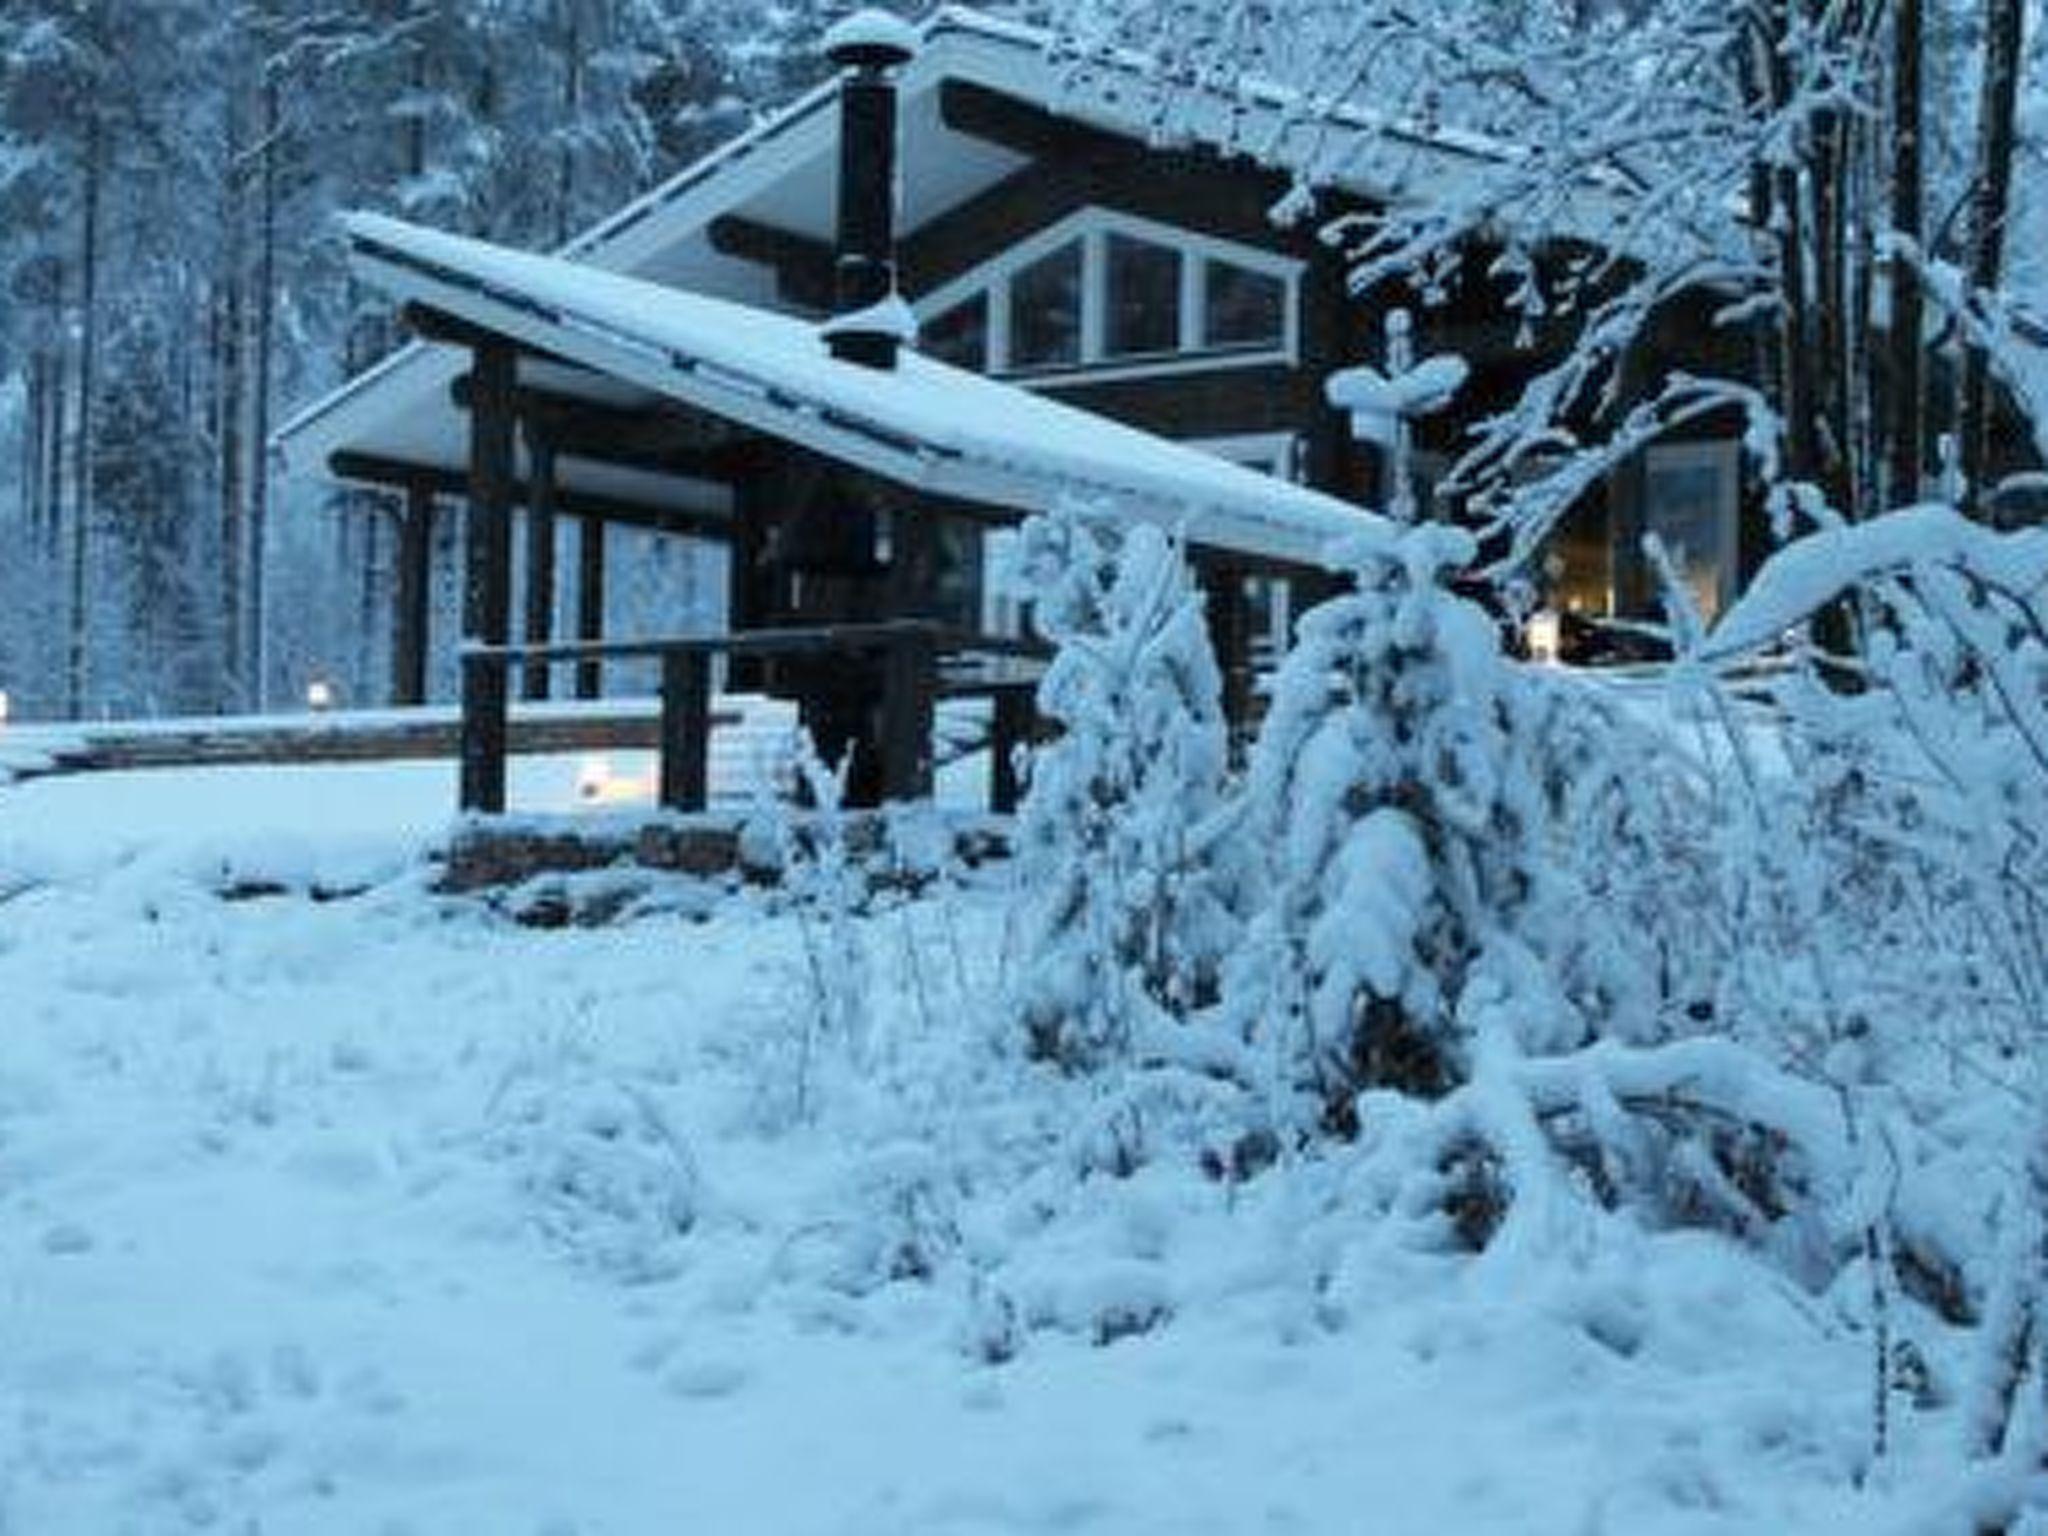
850 347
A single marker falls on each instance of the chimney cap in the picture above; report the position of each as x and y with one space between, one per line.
872 38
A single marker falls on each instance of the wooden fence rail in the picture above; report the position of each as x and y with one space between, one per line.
915 655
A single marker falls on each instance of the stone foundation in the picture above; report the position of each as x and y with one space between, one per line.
900 849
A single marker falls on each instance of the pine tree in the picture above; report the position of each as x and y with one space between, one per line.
1384 787
1130 918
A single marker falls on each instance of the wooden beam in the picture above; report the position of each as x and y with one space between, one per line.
540 560
1228 615
431 324
910 688
376 469
1010 727
803 265
1019 125
413 602
685 771
486 589
661 436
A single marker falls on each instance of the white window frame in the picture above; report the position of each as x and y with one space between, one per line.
1725 455
1093 226
1277 454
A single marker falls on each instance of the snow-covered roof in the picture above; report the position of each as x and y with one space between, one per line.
783 172
922 424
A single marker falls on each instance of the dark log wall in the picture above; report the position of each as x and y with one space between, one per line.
1074 167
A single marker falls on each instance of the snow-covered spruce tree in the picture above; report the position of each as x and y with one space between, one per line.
1383 787
1443 961
1120 842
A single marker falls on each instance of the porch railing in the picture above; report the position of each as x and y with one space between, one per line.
921 662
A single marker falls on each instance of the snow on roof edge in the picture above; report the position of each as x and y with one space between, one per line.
916 418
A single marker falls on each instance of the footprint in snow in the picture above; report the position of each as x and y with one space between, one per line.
706 1378
67 1239
655 1352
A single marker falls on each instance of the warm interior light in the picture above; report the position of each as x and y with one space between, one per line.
1544 635
319 694
598 783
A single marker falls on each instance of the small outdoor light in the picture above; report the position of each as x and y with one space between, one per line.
5 705
319 695
1544 634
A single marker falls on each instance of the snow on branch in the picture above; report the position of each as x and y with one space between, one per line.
1804 577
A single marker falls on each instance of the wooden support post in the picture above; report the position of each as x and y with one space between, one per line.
1009 729
487 585
910 686
685 730
1230 635
590 603
483 734
540 560
412 604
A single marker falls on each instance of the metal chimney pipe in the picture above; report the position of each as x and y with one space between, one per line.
870 322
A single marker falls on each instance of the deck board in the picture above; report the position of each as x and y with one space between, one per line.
389 735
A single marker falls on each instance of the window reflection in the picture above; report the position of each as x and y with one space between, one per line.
1045 310
960 335
1242 308
1689 494
1144 297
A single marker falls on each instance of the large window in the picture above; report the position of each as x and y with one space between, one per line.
959 335
1143 293
1045 311
1110 291
1241 308
1689 503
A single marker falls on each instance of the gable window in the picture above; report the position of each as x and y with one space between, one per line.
1045 310
959 335
1112 292
1240 307
1144 297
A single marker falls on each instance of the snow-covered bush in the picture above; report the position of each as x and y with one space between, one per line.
605 1172
1401 787
1919 884
1486 944
1120 827
1377 783
826 887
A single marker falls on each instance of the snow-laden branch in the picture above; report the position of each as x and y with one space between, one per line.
1807 575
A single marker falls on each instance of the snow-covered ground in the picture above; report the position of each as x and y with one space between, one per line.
384 1215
